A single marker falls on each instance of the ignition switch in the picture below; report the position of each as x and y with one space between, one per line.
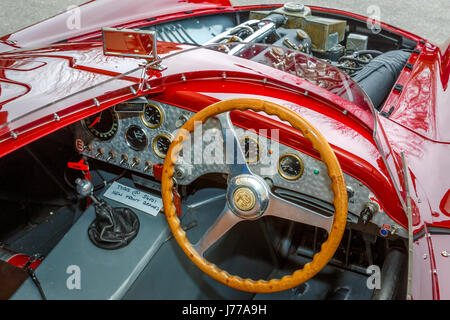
367 213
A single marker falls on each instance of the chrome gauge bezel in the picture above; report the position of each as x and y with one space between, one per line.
130 144
155 140
283 174
150 125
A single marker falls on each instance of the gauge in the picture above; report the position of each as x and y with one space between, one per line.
103 125
290 166
152 116
136 138
250 148
161 145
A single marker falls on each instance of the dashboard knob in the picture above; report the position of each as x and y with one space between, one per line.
100 152
124 159
112 155
181 121
179 172
350 192
148 165
136 162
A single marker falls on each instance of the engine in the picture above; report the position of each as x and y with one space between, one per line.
294 27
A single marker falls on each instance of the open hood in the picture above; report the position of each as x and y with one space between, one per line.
98 14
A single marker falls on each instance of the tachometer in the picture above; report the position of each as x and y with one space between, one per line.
161 145
136 138
152 116
103 125
290 166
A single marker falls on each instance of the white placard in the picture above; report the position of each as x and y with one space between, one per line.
134 198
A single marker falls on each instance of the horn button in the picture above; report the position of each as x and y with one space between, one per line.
248 196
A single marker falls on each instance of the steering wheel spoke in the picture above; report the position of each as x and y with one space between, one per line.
285 209
234 157
224 222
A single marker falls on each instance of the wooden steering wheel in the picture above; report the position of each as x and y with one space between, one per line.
249 197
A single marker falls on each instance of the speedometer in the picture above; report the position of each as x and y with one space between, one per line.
290 166
103 125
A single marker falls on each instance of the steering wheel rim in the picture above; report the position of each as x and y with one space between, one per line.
338 185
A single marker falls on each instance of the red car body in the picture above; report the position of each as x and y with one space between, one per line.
417 128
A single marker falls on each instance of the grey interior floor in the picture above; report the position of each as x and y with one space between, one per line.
330 284
41 239
244 251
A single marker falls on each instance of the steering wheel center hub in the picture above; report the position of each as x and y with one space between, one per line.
244 199
248 196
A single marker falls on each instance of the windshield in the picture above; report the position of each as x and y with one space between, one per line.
290 69
23 100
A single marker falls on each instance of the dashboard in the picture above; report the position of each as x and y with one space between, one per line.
136 135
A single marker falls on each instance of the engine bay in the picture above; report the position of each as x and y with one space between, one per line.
373 57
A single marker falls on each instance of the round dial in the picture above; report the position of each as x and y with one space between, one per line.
290 166
250 148
103 125
152 116
136 138
161 145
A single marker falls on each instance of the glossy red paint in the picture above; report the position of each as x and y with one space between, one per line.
107 13
18 259
434 275
62 70
428 172
440 244
417 127
422 105
445 204
422 284
86 61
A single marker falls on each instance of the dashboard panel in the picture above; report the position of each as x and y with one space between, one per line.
140 138
137 134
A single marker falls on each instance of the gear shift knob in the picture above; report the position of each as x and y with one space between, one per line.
85 189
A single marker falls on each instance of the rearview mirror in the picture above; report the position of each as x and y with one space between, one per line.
129 43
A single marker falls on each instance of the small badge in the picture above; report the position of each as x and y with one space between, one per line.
79 145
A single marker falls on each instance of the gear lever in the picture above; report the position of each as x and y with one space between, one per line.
113 228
